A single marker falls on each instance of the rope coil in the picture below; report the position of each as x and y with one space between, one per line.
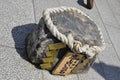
75 46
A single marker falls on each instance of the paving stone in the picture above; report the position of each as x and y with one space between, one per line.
106 12
110 63
114 34
14 67
106 67
69 3
48 76
41 5
94 73
14 13
114 7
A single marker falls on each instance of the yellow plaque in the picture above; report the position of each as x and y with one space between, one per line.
56 46
45 66
51 53
50 59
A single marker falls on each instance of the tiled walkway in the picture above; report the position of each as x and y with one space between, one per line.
18 17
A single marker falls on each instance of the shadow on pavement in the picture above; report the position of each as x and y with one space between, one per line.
108 72
19 34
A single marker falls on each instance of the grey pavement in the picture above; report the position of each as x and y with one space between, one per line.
18 18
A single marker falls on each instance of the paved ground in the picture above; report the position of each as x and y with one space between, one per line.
18 17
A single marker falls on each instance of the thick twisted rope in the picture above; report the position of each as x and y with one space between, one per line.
74 45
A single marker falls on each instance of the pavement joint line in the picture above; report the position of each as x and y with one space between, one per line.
108 33
108 43
78 76
101 66
36 22
112 12
112 25
34 10
58 3
42 75
10 47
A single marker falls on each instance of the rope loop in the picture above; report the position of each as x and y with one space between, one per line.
75 46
